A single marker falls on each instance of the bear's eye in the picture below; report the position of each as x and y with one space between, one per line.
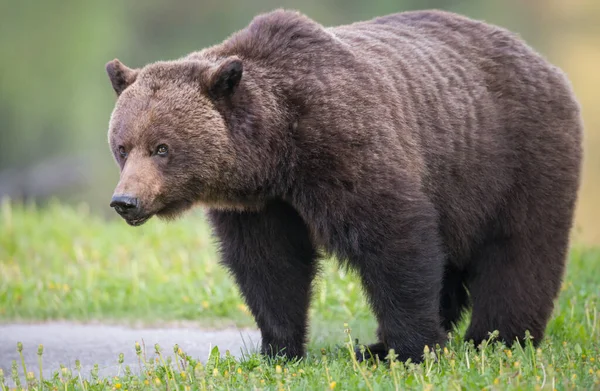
162 150
122 151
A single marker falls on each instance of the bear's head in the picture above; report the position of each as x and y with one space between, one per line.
168 137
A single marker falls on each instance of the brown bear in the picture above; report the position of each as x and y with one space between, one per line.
437 156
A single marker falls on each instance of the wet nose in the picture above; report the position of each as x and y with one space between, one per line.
124 204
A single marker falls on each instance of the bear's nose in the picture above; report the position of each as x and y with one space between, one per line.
124 204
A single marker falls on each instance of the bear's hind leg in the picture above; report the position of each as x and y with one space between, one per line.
516 274
513 282
272 259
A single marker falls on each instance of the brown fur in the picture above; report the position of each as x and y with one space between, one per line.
433 153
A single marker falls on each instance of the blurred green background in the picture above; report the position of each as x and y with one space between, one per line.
55 98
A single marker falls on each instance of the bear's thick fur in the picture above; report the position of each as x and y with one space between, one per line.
434 154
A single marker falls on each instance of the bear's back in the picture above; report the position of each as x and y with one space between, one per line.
444 60
453 66
463 89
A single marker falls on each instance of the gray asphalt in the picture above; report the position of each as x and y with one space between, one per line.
97 344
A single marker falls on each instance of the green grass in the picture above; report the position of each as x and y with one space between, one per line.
64 263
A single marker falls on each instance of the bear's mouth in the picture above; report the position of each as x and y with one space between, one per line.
138 221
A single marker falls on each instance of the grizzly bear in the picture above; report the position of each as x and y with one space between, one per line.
437 156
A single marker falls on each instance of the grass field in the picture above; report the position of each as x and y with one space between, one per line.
63 263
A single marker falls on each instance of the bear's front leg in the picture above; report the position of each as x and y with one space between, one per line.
397 251
272 259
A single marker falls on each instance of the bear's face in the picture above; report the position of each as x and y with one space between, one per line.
171 144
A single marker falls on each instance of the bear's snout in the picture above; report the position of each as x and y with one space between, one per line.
126 206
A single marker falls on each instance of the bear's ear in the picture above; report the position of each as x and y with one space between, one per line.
120 75
225 78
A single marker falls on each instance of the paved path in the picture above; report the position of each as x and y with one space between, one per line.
96 344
